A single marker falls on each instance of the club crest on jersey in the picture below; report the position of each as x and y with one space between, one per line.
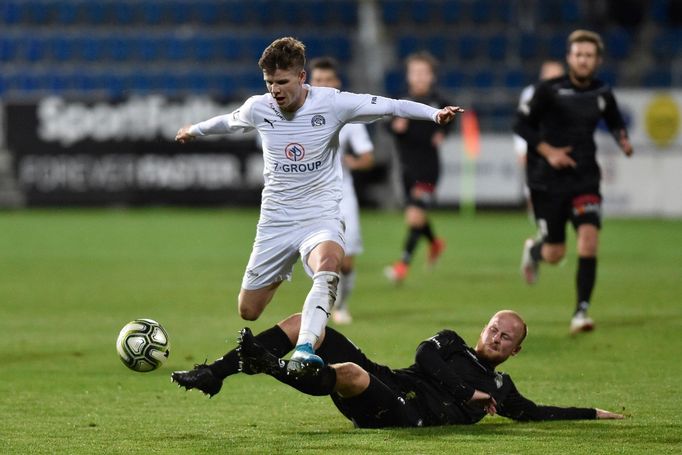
294 151
318 120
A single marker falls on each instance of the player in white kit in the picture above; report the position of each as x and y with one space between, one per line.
299 217
357 153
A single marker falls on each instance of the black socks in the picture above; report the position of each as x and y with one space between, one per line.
274 339
586 276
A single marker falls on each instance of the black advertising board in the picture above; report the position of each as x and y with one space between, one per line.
105 153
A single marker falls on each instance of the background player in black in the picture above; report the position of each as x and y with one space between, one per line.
562 171
449 383
417 143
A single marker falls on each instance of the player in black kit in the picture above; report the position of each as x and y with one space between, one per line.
449 383
562 171
417 143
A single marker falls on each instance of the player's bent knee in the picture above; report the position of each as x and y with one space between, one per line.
351 379
291 326
553 254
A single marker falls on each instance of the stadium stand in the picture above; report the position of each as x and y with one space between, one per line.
489 49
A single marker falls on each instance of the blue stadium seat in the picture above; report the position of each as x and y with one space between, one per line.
221 84
35 48
451 11
420 12
392 11
94 13
484 79
407 44
455 79
62 48
195 82
66 13
203 48
344 12
10 12
148 48
481 11
617 42
151 12
230 48
659 11
497 47
657 77
8 48
394 82
122 13
37 13
528 47
515 79
119 48
176 48
609 75
556 48
58 83
467 47
437 45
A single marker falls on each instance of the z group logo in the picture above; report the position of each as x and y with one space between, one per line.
294 151
317 120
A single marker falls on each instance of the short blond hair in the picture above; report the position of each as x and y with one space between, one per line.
585 36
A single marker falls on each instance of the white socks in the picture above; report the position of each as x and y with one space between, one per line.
346 285
317 307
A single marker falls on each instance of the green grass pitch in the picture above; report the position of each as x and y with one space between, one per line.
69 280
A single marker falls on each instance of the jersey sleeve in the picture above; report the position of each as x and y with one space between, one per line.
529 114
612 116
516 406
432 356
236 121
357 108
359 139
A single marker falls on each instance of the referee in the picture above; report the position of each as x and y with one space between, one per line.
450 383
558 124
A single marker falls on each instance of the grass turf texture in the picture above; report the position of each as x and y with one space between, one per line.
69 280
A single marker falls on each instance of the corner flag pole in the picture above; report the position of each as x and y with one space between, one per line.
471 136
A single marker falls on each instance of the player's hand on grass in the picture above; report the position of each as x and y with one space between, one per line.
625 144
557 157
483 400
447 114
183 135
601 414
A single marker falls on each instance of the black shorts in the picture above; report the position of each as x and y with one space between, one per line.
381 404
552 211
425 189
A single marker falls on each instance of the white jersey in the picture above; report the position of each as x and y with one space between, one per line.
353 138
302 167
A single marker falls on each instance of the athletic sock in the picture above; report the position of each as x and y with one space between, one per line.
585 279
428 232
411 243
536 251
274 339
346 286
317 306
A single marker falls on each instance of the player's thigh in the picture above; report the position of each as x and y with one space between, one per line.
322 246
551 212
586 219
379 407
252 302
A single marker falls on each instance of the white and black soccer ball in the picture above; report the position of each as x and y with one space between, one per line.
143 345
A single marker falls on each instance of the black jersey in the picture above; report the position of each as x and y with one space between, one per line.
562 114
446 373
418 156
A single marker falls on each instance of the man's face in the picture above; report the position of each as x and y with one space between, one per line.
286 87
583 60
420 77
500 339
324 78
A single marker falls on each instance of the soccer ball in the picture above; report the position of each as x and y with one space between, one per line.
143 345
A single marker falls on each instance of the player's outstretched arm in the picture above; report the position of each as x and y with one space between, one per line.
625 144
607 415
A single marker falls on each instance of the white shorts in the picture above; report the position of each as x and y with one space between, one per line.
277 248
351 216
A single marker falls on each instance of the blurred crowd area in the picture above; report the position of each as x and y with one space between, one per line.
488 49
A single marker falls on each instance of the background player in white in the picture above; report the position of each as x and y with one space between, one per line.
299 217
357 153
